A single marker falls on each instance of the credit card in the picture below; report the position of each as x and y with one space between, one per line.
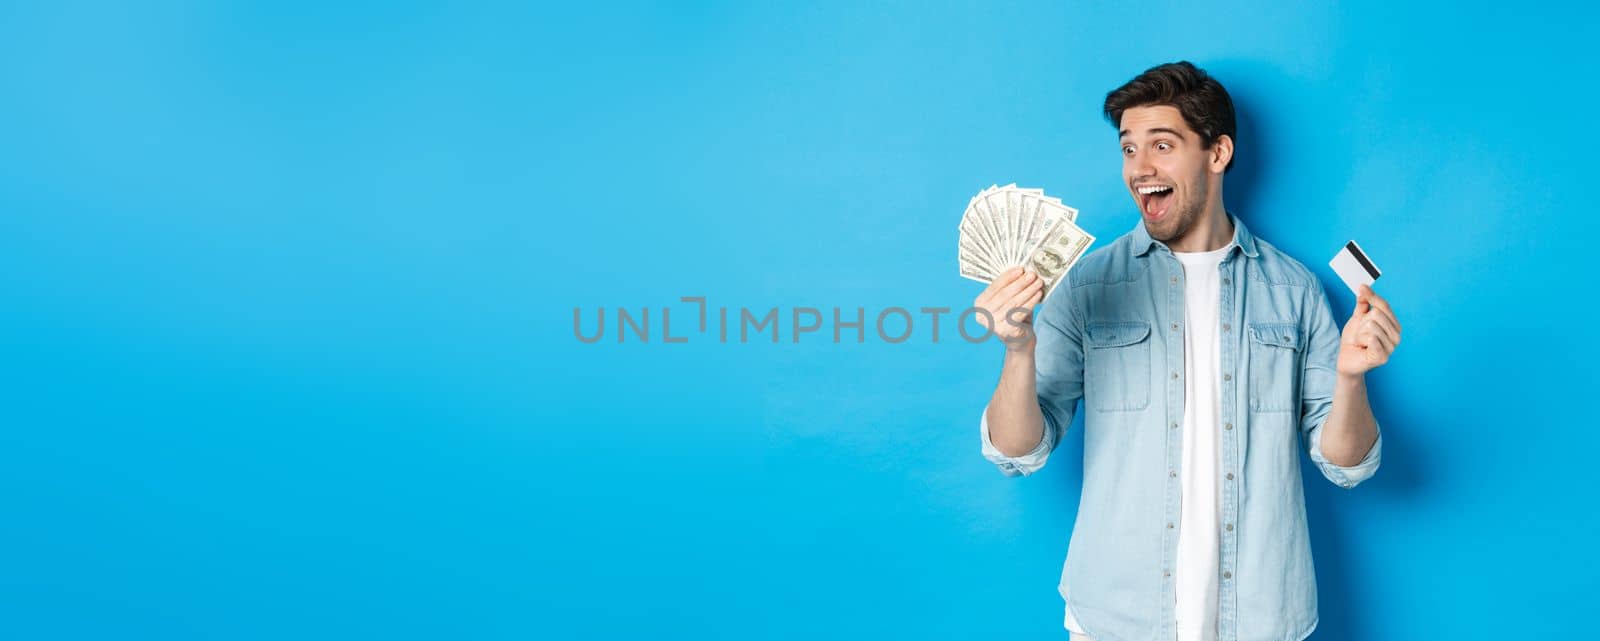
1353 267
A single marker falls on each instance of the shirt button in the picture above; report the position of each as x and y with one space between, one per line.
1228 426
1227 575
1230 527
1230 476
1174 425
1169 526
1174 280
1172 474
1174 375
1174 326
1225 327
1227 377
1224 281
1166 573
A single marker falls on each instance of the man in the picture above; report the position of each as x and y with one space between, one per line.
1204 357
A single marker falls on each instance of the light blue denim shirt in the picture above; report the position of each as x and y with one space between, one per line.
1112 336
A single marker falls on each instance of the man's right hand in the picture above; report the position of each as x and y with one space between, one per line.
1009 301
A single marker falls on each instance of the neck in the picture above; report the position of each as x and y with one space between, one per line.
1214 230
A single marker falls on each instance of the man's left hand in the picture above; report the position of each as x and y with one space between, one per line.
1370 335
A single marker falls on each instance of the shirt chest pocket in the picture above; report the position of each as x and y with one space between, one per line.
1274 366
1117 366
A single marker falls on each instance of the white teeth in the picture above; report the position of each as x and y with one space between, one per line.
1153 189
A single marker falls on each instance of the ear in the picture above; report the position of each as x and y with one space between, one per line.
1221 152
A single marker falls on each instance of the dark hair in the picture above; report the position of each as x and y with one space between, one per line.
1202 101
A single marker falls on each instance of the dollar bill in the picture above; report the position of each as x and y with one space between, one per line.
968 270
1039 216
1013 201
974 239
976 258
1010 226
978 212
993 225
1058 251
1048 216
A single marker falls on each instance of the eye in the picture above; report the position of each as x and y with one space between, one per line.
1127 150
1163 146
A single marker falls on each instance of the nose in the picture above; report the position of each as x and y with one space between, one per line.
1140 164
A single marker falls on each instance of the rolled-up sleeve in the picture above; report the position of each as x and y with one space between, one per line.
1017 465
1317 382
1347 477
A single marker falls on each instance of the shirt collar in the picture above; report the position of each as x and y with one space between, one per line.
1142 242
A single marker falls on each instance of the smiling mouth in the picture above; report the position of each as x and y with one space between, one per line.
1154 200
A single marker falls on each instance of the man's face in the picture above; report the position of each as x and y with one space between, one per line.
1166 169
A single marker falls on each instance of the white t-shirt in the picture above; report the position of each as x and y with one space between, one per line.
1199 539
1199 535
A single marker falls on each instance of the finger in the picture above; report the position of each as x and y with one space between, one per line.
1377 341
1377 302
1378 330
1393 320
1388 316
1377 324
1017 313
1017 316
1361 301
1024 294
1010 290
1000 282
1023 298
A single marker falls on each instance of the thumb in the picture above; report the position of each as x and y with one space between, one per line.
1362 304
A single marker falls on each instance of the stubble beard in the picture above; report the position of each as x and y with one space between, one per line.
1182 218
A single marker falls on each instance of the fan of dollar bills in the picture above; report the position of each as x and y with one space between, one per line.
1008 226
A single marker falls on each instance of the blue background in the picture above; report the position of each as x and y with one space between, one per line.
288 293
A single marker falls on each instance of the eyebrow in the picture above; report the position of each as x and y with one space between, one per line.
1153 130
